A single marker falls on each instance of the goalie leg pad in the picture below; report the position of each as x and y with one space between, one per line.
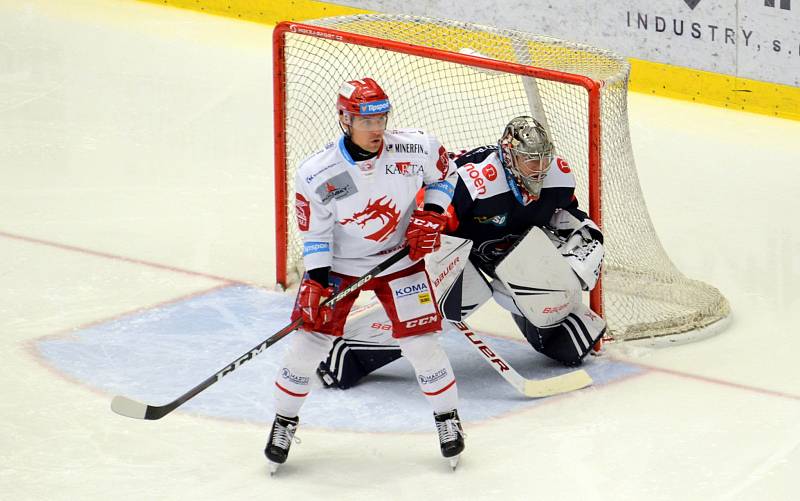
569 341
539 279
350 361
366 346
468 293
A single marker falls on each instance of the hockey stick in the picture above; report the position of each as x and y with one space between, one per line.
535 388
133 409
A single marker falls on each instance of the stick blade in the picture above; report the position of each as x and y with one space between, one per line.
564 383
124 406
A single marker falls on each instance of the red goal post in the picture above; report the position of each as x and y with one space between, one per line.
443 76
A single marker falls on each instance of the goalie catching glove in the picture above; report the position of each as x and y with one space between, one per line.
581 244
308 301
424 233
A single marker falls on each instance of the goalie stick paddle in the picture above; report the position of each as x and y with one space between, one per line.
534 388
125 406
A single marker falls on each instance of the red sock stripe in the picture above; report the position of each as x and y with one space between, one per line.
299 395
442 390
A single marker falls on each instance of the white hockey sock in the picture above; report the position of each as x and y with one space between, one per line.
434 373
293 382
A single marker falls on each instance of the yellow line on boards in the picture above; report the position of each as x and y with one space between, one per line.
646 77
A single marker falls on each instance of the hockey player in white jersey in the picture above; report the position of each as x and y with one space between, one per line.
533 251
355 207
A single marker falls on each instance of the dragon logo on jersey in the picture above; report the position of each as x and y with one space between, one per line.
384 212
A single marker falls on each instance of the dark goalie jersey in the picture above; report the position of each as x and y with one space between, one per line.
491 211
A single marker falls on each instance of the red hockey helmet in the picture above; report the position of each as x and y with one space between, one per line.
361 97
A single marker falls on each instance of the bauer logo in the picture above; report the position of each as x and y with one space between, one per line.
411 289
373 107
443 273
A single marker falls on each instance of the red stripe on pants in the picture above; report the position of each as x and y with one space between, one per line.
291 392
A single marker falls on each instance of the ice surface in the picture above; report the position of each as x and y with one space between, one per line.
135 231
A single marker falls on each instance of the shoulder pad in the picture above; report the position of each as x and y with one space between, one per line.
484 179
476 155
560 175
321 165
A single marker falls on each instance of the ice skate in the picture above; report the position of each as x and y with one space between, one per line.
326 376
451 435
280 439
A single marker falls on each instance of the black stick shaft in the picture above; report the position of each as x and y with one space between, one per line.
157 412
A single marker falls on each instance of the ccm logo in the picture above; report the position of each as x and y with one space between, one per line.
426 224
555 309
487 352
422 321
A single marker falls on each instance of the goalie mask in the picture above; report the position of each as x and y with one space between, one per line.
526 152
362 105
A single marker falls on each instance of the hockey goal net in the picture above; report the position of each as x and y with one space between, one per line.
463 83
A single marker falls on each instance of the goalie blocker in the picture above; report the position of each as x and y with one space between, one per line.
545 301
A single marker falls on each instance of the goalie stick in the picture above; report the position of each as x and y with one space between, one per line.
125 406
534 388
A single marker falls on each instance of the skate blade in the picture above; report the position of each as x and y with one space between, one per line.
453 462
273 467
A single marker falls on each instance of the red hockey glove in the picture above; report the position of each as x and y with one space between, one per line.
308 301
424 233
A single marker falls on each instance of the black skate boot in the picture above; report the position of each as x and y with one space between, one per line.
280 439
326 376
451 435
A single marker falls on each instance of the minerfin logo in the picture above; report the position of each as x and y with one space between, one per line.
692 3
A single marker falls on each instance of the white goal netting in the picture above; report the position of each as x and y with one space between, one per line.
643 294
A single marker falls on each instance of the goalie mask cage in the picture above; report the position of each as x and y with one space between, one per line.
463 83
